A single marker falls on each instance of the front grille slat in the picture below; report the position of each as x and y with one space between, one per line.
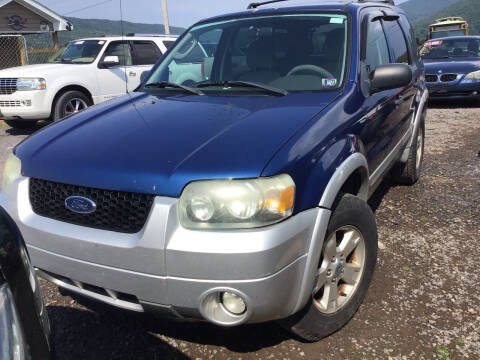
116 210
448 77
8 86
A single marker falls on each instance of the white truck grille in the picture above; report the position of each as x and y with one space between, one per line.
8 86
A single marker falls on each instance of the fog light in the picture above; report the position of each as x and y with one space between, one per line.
233 303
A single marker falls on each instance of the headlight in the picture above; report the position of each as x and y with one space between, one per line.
473 76
11 336
11 172
236 204
25 84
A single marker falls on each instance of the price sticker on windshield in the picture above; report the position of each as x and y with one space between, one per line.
434 43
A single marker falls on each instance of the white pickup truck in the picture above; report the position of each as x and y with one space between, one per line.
88 72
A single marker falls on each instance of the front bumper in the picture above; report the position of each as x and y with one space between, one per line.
25 105
172 270
454 90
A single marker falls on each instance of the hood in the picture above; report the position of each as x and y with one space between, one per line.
451 66
40 70
156 145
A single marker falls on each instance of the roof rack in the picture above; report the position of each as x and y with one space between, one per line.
150 35
257 4
391 2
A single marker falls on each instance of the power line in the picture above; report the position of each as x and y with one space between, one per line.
88 7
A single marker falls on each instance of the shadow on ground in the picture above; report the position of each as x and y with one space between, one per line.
26 132
103 332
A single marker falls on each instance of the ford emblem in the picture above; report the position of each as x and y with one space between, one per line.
80 205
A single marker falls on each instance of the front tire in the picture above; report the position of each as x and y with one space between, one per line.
69 103
345 271
21 124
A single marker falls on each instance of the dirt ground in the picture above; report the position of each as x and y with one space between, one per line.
424 302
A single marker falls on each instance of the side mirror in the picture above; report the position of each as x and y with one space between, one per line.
388 77
110 61
144 75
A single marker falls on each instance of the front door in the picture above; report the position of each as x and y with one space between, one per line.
113 80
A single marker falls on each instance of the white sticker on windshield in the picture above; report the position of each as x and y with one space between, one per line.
329 82
79 42
336 20
101 42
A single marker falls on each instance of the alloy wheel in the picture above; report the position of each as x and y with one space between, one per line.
74 105
341 268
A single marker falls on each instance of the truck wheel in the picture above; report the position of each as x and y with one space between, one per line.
346 267
21 124
69 103
409 173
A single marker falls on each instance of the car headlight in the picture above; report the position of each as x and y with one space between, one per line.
26 84
11 172
11 335
236 204
473 76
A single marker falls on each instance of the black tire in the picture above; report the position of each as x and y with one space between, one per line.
409 173
60 106
311 324
21 124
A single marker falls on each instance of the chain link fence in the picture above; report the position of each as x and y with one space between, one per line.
18 50
12 51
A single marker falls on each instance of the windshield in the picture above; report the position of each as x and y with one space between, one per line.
442 34
82 51
451 48
300 52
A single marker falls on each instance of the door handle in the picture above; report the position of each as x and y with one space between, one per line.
131 73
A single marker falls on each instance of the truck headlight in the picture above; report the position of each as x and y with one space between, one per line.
26 84
472 77
236 204
11 172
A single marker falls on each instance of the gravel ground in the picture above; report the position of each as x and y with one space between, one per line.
424 302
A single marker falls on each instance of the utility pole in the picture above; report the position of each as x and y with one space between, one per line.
165 17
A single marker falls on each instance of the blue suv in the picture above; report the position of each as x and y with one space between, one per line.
240 197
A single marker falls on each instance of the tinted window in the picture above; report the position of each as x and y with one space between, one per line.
377 48
120 49
397 42
145 53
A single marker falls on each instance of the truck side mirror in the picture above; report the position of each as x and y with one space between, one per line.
392 76
110 61
144 75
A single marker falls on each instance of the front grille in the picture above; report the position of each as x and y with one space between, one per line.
448 77
15 103
116 210
8 86
431 78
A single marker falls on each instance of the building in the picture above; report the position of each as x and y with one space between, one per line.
26 17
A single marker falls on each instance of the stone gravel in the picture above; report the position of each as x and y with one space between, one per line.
424 302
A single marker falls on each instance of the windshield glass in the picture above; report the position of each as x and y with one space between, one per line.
300 52
451 48
82 51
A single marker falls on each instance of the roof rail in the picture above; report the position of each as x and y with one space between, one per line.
150 35
257 4
391 2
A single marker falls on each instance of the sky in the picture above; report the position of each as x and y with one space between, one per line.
182 13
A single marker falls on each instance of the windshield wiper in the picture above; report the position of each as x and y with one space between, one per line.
65 61
166 84
272 90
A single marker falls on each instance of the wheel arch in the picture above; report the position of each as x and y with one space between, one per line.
351 176
73 87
